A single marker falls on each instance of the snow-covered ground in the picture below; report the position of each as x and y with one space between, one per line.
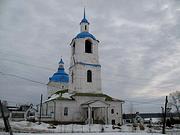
114 133
25 126
29 128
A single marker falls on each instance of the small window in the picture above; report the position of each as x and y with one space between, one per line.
112 111
62 87
113 122
65 111
73 49
89 76
88 46
85 27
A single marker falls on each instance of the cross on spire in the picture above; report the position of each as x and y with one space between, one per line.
84 20
84 12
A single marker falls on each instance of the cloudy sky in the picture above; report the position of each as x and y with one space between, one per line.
139 47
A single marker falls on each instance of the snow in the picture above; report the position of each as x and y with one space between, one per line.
64 95
54 96
115 133
67 95
25 126
30 128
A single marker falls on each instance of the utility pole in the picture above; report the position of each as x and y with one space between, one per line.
164 121
40 109
131 111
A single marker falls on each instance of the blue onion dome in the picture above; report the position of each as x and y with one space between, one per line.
84 35
60 75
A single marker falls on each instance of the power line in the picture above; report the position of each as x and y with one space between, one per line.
128 83
26 64
23 78
46 68
20 77
34 81
141 102
154 102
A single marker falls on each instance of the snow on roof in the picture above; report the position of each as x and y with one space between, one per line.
67 95
60 96
54 96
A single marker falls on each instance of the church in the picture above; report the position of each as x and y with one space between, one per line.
77 97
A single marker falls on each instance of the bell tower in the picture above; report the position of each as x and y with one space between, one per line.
85 70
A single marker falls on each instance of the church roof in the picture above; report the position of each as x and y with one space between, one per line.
61 95
107 98
93 101
84 35
84 20
60 75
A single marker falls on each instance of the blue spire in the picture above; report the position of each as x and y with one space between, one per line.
84 20
84 13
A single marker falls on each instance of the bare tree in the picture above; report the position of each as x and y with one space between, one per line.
174 102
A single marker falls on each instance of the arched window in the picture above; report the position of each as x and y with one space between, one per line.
88 46
89 76
65 111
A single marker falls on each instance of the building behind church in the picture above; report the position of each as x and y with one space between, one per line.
77 97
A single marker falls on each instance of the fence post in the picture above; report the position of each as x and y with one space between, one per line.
5 119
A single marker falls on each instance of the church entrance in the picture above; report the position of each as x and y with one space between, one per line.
96 112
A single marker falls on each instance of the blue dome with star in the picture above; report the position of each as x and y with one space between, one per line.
60 75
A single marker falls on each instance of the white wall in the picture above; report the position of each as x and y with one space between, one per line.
78 114
53 87
80 83
80 54
117 115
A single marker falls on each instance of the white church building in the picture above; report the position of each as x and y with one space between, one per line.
77 97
